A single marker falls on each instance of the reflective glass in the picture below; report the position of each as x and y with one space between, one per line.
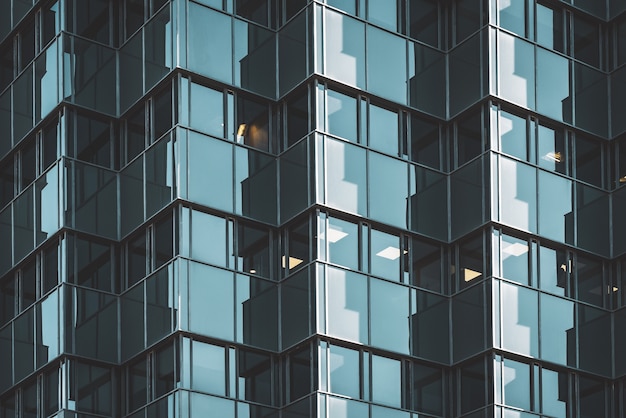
553 86
552 150
208 238
550 27
383 13
342 119
512 16
343 243
557 330
388 81
347 305
292 53
553 269
346 408
383 130
345 177
48 324
386 381
424 21
208 368
513 135
210 158
46 82
211 295
206 110
254 55
554 393
555 207
385 255
345 48
515 259
520 322
388 187
344 371
518 194
209 58
516 383
516 71
389 320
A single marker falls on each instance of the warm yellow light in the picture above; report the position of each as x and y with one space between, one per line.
241 131
557 157
622 179
469 275
253 271
293 262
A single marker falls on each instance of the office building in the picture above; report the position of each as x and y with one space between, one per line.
329 208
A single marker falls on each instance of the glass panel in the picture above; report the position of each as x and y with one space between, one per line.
255 185
550 27
211 295
292 50
210 159
386 381
89 139
588 161
427 390
425 147
591 110
468 325
206 110
515 259
345 177
253 250
46 82
23 225
158 47
209 58
553 270
344 371
388 186
159 176
516 71
513 135
343 243
383 13
383 130
208 368
137 385
24 345
388 81
23 105
347 305
48 347
520 322
424 21
48 196
586 41
342 119
389 320
592 397
511 15
555 207
554 393
90 263
553 86
427 78
518 194
208 238
385 255
345 48
255 55
516 382
558 337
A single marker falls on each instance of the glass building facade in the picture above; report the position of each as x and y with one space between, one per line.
328 208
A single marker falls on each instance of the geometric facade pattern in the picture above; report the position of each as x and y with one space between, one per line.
298 208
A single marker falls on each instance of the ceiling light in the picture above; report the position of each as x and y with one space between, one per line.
469 275
556 157
293 262
516 249
622 179
390 253
253 271
335 235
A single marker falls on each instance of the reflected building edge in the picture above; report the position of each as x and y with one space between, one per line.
328 208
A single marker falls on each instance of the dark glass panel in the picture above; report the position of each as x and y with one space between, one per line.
90 19
133 15
163 241
7 181
50 144
427 389
51 392
50 268
24 345
586 41
255 377
135 140
253 250
165 373
29 401
469 137
469 18
28 164
425 142
136 259
6 65
468 325
424 21
137 384
162 113
91 388
473 382
254 10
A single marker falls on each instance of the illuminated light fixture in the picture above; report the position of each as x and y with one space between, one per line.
615 288
390 253
516 249
622 179
253 271
469 274
556 157
293 262
335 235
564 267
241 131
